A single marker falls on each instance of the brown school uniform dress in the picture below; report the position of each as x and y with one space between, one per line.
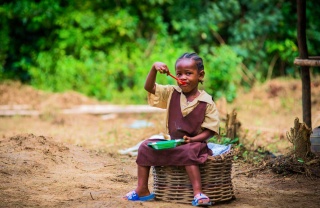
186 154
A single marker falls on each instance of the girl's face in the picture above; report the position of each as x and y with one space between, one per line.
187 71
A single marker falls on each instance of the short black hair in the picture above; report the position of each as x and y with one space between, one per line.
195 57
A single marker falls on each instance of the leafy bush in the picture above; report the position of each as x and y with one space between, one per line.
223 72
106 48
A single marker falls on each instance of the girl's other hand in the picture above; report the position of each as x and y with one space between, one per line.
161 67
187 139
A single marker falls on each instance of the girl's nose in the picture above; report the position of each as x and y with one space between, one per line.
182 76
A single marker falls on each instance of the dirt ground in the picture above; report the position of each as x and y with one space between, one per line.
57 160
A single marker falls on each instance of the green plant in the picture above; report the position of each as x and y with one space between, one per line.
223 140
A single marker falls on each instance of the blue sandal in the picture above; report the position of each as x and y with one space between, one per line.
133 196
201 196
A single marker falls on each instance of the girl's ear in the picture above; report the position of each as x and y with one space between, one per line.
201 75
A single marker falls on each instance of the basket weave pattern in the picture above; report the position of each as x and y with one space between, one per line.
171 183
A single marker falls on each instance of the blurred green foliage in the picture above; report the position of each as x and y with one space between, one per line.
105 48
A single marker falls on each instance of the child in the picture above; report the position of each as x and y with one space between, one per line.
191 115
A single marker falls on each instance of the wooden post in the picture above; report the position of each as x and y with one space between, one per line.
303 54
232 125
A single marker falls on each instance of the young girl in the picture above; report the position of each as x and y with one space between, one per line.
191 115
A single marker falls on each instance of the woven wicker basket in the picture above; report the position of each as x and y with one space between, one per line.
171 183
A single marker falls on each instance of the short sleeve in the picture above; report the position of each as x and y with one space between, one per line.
211 120
161 96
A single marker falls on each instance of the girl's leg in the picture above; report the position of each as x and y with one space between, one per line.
195 179
143 178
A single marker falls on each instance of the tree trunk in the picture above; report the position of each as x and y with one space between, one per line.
303 54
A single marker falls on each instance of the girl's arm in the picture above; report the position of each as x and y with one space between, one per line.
206 134
151 78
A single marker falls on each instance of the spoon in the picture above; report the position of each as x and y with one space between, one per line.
179 81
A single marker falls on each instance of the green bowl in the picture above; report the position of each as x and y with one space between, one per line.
161 145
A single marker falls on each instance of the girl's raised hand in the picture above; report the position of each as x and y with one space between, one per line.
161 67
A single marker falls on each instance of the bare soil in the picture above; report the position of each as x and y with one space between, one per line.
57 160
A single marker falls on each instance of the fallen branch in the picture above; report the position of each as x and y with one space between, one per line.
105 109
19 113
23 110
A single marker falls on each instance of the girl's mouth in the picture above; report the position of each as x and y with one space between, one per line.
182 82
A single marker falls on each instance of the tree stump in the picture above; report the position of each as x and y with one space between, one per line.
232 125
299 136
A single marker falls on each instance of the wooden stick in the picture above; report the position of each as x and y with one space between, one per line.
91 196
311 61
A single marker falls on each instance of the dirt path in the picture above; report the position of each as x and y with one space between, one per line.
37 171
